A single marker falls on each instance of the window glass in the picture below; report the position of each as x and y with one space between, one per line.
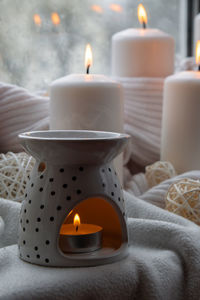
43 40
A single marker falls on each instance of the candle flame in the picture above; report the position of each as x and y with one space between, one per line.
37 20
77 220
88 57
198 53
142 15
55 18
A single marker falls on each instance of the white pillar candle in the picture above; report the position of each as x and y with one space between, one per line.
87 102
144 52
181 122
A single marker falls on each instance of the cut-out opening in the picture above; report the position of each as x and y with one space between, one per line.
41 167
100 212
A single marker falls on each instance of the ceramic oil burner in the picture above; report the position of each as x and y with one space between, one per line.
73 213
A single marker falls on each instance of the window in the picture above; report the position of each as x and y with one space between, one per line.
44 40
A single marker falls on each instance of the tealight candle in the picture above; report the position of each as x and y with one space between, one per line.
144 52
181 122
79 238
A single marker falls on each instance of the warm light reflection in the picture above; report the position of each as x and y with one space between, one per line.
97 8
116 7
37 20
88 57
55 18
77 220
198 53
142 15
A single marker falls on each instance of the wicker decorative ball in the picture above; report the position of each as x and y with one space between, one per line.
158 172
183 198
14 174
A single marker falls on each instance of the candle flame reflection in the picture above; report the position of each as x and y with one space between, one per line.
97 8
37 20
55 18
77 220
142 15
198 53
88 57
116 7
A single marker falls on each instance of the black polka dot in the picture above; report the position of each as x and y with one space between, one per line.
119 199
115 185
58 207
64 185
109 169
42 206
24 229
50 179
68 198
20 220
28 177
112 194
81 169
61 170
24 242
78 192
115 173
103 171
47 242
27 221
28 256
51 219
103 185
38 220
29 201
38 256
36 248
124 214
41 189
41 177
52 193
46 260
74 178
25 211
36 229
25 195
32 185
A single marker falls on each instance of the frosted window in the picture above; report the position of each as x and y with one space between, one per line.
43 40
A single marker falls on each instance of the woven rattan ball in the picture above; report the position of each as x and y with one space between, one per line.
14 173
158 172
183 198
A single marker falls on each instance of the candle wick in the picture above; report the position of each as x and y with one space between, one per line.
144 25
76 228
88 69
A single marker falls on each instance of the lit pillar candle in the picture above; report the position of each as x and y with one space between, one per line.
142 52
87 102
78 237
181 122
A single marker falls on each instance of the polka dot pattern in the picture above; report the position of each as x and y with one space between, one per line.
49 197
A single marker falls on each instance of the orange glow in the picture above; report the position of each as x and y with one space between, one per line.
142 15
198 53
37 20
116 7
55 18
77 220
88 56
97 8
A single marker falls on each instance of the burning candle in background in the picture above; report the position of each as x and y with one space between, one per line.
87 102
142 52
181 122
79 238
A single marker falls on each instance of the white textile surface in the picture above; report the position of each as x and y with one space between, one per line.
163 261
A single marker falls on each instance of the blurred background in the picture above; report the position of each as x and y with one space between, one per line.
42 40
